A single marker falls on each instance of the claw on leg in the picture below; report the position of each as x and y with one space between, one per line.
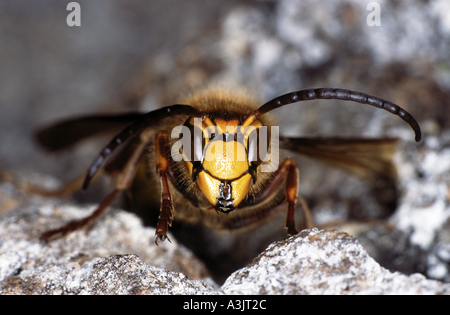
164 221
166 215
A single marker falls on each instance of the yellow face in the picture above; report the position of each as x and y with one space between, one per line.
225 180
224 176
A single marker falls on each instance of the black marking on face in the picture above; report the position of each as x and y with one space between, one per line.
224 201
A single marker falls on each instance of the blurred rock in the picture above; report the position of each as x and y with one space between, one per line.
416 237
424 177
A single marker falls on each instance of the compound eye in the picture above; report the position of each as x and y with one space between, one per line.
197 141
253 147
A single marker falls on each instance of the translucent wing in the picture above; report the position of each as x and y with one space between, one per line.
370 159
68 132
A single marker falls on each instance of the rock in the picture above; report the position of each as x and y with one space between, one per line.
118 256
419 228
31 267
323 262
118 274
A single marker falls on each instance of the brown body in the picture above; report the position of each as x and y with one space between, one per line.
190 203
206 192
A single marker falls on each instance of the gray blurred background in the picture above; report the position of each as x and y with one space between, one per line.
140 55
124 49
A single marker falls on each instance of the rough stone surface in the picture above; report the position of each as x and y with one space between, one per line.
323 262
30 266
118 274
117 256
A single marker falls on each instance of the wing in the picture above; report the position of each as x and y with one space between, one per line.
370 159
69 132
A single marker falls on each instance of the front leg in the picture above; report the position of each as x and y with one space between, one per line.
288 170
162 168
289 167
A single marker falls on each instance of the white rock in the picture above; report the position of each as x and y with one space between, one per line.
324 262
118 256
